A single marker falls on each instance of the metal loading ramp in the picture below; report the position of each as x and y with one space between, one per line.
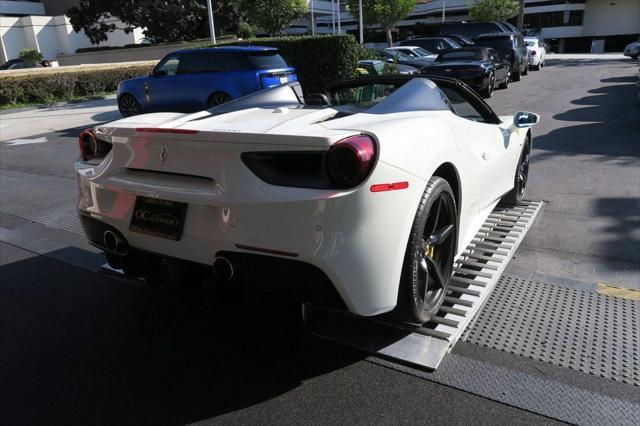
476 271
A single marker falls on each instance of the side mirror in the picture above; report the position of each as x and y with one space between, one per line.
158 73
317 99
523 120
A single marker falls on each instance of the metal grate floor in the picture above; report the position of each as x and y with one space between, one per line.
48 200
570 328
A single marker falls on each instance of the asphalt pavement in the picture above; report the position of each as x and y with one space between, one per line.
87 348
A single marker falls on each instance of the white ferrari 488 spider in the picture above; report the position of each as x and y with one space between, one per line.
360 201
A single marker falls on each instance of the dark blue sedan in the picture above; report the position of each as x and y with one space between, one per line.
197 79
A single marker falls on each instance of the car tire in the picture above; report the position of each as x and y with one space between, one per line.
515 76
525 70
428 261
491 86
128 105
521 176
217 98
505 83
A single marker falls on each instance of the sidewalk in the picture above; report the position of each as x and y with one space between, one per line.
590 56
24 123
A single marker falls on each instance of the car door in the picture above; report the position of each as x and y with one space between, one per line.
501 68
198 74
488 146
163 90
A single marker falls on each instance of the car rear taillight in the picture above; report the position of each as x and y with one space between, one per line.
88 144
92 148
350 160
346 164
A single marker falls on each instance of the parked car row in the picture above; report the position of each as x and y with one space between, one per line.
483 60
484 55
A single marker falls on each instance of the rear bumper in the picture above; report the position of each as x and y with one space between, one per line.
278 274
351 237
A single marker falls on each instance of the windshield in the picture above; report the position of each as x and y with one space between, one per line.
453 43
399 56
420 51
460 55
531 43
385 96
364 96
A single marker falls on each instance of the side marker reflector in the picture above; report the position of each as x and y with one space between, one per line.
381 187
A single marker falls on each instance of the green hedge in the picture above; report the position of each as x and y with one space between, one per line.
43 88
317 59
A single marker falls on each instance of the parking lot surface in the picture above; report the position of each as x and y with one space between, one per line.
84 347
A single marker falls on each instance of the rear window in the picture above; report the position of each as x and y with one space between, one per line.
495 42
456 56
267 60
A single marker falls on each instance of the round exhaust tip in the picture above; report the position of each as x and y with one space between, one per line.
113 243
223 269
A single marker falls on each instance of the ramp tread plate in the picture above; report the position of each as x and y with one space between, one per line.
417 349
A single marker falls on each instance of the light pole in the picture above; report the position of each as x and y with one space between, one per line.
313 23
360 22
212 28
333 16
339 27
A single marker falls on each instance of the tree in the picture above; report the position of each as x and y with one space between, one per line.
494 10
162 20
30 56
274 16
386 13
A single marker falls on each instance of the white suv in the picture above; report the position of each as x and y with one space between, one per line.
537 52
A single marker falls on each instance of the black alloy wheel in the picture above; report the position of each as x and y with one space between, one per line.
217 98
128 105
491 85
430 254
522 176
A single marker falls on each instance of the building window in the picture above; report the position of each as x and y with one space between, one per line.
553 19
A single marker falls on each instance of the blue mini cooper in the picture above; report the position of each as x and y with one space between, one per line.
197 79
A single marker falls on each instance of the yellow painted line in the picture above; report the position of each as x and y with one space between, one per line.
624 293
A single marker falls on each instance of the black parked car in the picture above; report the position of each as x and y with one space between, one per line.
19 64
510 46
391 56
479 67
431 44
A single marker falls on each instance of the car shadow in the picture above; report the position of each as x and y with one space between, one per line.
84 348
611 126
624 213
